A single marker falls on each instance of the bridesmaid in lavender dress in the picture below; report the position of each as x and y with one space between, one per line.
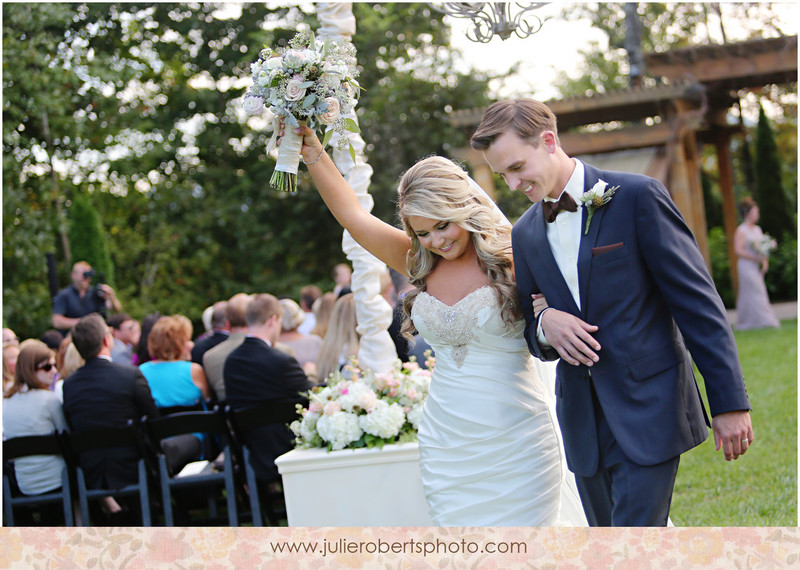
752 302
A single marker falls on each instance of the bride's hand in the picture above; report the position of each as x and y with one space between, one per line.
539 304
312 147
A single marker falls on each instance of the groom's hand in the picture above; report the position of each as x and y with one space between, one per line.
733 431
570 336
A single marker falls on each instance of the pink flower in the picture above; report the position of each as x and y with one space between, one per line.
332 111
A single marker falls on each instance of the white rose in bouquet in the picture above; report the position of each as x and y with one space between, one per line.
273 64
329 111
253 105
295 90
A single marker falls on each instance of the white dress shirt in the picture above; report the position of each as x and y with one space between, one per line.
564 236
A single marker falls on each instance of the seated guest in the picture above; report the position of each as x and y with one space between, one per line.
173 380
127 333
142 353
52 338
10 355
341 341
104 394
68 360
342 275
255 372
304 348
308 295
214 358
30 408
10 337
220 331
323 307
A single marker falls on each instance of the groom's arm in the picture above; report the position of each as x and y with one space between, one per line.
676 264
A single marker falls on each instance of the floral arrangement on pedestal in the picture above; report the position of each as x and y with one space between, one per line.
311 82
358 408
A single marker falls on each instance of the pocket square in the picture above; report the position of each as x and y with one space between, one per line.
606 248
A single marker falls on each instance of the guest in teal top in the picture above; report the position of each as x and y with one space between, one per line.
173 379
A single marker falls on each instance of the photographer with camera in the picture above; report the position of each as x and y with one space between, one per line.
80 298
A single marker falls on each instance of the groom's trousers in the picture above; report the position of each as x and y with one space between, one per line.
623 493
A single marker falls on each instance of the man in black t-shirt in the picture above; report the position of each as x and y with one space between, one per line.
80 299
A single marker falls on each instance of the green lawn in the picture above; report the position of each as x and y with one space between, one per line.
760 488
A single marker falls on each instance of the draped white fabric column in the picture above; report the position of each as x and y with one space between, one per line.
373 313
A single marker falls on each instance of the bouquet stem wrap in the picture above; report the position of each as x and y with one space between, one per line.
284 177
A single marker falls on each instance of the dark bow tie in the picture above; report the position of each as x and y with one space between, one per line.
552 209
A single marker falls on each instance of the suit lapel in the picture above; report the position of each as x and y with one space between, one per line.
588 239
550 278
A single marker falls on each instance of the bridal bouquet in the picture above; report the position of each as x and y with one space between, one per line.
310 82
362 409
765 245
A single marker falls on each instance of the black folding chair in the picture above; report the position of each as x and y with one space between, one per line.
26 446
279 412
104 439
160 430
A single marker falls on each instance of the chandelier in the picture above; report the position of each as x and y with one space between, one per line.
491 19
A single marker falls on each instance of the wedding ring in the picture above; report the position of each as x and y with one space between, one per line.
745 441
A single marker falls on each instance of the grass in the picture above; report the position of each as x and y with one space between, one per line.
760 488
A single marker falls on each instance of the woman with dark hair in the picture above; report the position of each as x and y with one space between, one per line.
30 408
752 246
142 354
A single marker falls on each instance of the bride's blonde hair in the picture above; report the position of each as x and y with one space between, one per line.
439 189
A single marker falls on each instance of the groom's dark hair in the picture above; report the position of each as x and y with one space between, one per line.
529 118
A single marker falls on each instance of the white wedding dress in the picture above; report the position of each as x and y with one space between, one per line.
490 453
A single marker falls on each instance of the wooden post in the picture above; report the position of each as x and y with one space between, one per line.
730 221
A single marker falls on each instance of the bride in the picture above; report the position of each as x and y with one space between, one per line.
489 449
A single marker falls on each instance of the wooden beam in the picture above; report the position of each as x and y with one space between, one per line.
763 63
623 139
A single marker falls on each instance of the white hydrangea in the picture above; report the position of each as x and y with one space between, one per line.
415 415
358 396
305 428
384 421
339 429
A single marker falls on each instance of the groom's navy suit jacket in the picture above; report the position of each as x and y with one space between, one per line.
644 283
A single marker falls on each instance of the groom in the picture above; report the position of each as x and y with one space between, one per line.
629 297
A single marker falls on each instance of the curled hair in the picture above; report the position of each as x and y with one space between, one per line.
439 189
167 340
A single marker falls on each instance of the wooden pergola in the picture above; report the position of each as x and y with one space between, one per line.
689 107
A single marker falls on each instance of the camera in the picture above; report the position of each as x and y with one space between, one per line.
99 294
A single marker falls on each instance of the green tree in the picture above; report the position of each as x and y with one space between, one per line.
768 192
87 238
143 102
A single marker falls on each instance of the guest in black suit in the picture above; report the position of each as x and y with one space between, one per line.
220 331
255 372
104 394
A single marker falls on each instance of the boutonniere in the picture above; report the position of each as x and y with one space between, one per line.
594 198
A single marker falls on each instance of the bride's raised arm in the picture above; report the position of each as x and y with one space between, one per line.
386 242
